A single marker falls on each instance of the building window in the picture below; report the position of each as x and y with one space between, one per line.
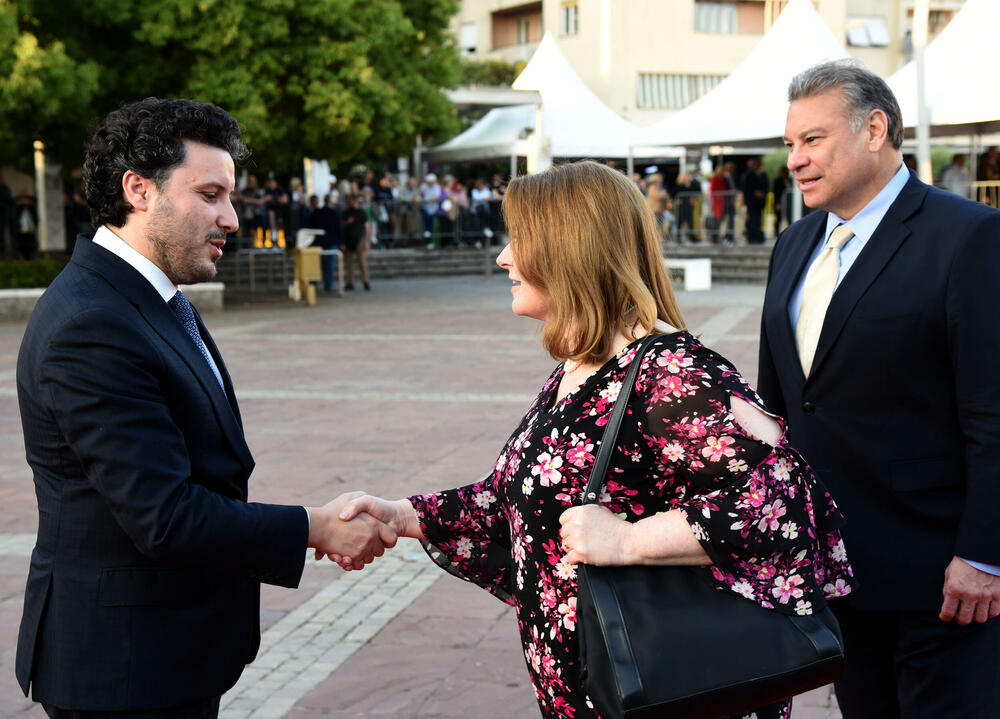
570 18
729 16
521 25
714 16
672 91
867 32
467 38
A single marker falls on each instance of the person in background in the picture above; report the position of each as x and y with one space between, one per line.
431 196
6 212
753 184
356 228
479 209
25 223
657 199
327 218
782 198
718 189
955 177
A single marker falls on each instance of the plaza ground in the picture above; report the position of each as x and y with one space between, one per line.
409 388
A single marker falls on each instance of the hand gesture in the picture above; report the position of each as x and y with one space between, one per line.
969 594
593 535
398 515
355 541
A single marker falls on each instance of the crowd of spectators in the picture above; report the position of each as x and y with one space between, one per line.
433 212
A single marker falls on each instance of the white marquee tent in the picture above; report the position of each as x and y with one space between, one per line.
750 105
958 78
574 122
500 133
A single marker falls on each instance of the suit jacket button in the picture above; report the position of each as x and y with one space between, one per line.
809 408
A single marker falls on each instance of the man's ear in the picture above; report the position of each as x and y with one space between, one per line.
878 130
137 190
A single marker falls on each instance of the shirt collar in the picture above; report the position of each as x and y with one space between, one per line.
864 224
142 264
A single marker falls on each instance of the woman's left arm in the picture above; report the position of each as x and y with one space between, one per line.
593 535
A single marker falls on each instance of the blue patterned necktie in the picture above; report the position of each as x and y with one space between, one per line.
185 315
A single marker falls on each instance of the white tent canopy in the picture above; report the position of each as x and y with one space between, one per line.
958 75
499 134
750 105
574 121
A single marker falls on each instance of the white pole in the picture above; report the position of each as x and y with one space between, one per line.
513 166
920 13
629 163
418 166
40 204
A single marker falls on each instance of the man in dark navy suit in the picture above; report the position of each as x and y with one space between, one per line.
143 593
879 343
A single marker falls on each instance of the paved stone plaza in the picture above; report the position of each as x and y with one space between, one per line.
409 388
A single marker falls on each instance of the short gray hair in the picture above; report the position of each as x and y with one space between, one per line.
864 91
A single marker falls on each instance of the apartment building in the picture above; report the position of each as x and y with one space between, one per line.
648 58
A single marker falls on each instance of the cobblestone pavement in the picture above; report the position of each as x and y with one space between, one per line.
409 388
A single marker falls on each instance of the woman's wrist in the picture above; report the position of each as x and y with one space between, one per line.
635 544
406 522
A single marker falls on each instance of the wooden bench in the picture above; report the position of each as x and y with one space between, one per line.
696 272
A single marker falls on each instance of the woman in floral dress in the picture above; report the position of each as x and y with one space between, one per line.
702 474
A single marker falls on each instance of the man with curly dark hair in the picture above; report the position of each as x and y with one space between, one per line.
143 594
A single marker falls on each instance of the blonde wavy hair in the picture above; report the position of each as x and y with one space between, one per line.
583 234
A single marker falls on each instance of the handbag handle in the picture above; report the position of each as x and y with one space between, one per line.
600 468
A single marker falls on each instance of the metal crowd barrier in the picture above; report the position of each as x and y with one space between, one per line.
402 223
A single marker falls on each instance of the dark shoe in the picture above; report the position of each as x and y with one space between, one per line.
367 286
348 287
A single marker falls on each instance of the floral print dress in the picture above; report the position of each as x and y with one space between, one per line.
769 527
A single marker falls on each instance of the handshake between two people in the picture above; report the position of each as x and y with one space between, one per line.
356 527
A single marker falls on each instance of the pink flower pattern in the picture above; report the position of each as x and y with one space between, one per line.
770 528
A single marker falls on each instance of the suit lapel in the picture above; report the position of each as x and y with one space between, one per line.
137 290
801 242
890 234
217 356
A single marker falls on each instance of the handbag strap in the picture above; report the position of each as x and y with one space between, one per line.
603 459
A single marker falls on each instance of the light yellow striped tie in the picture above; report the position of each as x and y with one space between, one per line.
817 291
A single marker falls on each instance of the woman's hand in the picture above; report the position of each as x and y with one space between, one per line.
398 514
593 535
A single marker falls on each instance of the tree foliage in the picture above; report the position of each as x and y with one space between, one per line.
334 79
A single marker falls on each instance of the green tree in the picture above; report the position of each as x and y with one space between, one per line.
45 93
334 79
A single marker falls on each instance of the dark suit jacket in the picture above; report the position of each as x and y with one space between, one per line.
900 416
144 584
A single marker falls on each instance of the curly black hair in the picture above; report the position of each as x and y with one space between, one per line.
147 137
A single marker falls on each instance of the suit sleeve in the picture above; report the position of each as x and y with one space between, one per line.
106 386
768 386
974 345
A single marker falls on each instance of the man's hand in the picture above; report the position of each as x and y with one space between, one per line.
969 594
398 515
356 542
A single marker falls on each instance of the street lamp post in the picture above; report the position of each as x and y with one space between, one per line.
40 204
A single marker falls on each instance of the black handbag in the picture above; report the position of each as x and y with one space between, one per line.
662 642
